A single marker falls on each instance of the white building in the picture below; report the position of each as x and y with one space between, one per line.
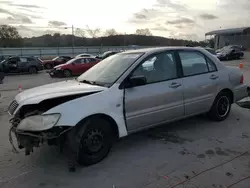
234 36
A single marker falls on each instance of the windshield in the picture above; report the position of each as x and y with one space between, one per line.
110 69
1 62
70 61
55 58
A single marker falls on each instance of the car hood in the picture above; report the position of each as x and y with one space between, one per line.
54 90
47 61
59 66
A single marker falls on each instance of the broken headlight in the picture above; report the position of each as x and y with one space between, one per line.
38 122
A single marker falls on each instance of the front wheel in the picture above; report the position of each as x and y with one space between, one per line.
48 66
32 70
95 143
221 107
67 73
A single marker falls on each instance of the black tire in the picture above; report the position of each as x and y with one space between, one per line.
48 66
67 73
221 107
33 70
96 142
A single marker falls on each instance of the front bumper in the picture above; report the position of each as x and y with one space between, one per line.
55 73
28 139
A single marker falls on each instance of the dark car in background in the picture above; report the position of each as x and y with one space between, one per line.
232 47
75 66
49 64
211 50
106 54
17 64
229 54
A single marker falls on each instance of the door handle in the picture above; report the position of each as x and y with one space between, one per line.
174 85
213 77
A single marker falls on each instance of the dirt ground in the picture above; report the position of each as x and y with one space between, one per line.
158 158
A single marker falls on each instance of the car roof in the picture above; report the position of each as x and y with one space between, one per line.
160 49
84 57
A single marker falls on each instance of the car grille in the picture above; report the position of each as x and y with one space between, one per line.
13 106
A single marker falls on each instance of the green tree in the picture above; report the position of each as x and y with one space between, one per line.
9 36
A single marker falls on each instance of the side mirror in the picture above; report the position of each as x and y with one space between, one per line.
233 51
135 81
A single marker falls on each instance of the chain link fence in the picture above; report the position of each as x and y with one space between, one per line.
58 51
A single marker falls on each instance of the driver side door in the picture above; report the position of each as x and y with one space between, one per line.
158 101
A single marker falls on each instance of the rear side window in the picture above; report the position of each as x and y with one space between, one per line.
90 60
30 59
211 66
23 59
193 63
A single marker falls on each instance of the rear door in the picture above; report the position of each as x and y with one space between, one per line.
200 82
23 64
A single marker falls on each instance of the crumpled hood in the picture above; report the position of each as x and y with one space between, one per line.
58 66
47 61
58 89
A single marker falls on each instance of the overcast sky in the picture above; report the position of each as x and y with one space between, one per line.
187 19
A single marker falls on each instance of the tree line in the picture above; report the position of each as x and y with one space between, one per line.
143 37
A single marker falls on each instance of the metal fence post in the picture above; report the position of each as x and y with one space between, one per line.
40 50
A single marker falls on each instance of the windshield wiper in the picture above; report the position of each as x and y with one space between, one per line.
87 82
92 83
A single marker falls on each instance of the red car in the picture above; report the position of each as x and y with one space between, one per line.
49 64
75 66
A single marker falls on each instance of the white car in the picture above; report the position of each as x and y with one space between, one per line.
84 55
125 93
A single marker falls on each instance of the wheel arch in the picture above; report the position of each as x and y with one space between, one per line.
114 126
230 92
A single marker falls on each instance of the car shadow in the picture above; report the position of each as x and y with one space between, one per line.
21 73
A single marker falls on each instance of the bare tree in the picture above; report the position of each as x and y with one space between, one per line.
80 32
110 32
93 32
49 32
145 31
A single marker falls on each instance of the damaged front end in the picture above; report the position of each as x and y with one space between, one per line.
32 132
32 127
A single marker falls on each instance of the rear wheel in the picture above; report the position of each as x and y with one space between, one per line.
48 66
32 70
95 143
221 107
67 73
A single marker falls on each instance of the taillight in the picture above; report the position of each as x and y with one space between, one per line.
242 79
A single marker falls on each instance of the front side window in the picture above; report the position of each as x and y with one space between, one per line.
193 63
78 61
157 68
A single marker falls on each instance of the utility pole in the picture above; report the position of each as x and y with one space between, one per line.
124 41
73 40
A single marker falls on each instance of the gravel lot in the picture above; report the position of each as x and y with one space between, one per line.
160 157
